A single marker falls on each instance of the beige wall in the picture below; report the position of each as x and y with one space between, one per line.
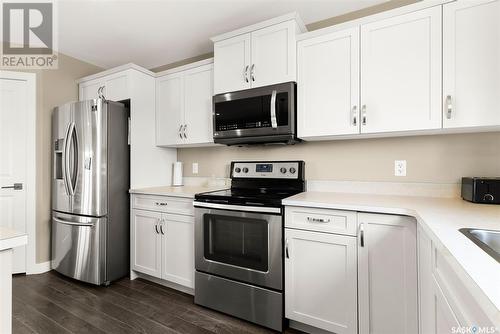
54 87
435 159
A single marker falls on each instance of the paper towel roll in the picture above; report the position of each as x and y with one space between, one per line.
177 174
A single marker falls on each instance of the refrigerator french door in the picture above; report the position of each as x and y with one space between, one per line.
90 183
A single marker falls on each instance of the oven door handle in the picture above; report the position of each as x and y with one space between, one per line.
274 122
236 207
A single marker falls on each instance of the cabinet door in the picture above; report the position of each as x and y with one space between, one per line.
198 105
328 84
320 280
444 317
401 73
232 64
273 55
88 90
169 109
425 284
387 273
471 66
146 242
116 87
178 249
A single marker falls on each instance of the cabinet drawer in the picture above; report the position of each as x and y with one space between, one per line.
176 205
321 220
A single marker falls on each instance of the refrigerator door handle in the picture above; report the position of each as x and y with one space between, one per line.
65 159
66 222
69 177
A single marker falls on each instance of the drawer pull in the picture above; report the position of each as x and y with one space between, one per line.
317 220
161 203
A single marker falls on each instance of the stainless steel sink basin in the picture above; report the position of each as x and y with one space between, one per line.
487 240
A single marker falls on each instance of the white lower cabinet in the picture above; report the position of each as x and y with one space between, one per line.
387 274
320 280
162 243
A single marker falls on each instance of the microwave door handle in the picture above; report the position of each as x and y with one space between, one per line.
274 123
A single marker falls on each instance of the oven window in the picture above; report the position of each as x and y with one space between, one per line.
237 241
251 112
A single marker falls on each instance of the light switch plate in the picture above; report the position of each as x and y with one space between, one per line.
399 167
195 168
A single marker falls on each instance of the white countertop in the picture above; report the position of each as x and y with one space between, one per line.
441 218
10 238
180 191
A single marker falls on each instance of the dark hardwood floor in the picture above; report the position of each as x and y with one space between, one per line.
50 303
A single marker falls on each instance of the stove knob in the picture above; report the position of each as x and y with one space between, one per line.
292 170
283 170
245 170
237 169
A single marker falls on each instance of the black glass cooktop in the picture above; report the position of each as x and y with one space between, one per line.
250 197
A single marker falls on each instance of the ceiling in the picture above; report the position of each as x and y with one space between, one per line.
154 33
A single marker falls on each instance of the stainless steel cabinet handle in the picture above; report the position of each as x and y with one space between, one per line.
354 115
274 122
184 131
245 74
161 228
156 227
361 235
287 254
317 220
363 112
15 186
449 106
252 72
161 203
180 131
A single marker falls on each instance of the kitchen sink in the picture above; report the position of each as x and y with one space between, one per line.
487 240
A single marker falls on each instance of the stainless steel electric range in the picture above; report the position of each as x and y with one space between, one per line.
239 241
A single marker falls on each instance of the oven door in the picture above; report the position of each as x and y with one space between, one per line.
241 245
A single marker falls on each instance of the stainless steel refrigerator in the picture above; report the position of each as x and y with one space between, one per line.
90 183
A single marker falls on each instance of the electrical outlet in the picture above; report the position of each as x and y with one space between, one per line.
399 167
195 168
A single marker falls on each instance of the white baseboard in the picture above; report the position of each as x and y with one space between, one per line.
38 268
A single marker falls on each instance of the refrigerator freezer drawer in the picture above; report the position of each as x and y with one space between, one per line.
78 247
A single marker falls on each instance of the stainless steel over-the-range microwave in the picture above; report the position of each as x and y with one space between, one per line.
256 116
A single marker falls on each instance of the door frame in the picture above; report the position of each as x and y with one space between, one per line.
30 181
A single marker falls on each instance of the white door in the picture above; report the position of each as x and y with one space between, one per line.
471 66
232 64
401 73
170 109
13 153
328 84
89 90
178 249
273 54
425 284
320 280
146 242
116 87
444 317
198 104
387 273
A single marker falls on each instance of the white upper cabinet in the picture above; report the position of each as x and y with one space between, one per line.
401 73
387 273
169 109
232 64
328 84
184 107
114 87
273 54
259 55
471 65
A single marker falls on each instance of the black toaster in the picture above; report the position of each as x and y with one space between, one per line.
481 189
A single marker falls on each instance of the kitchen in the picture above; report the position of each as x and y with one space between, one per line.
339 176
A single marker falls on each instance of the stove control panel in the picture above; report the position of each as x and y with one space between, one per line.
271 170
